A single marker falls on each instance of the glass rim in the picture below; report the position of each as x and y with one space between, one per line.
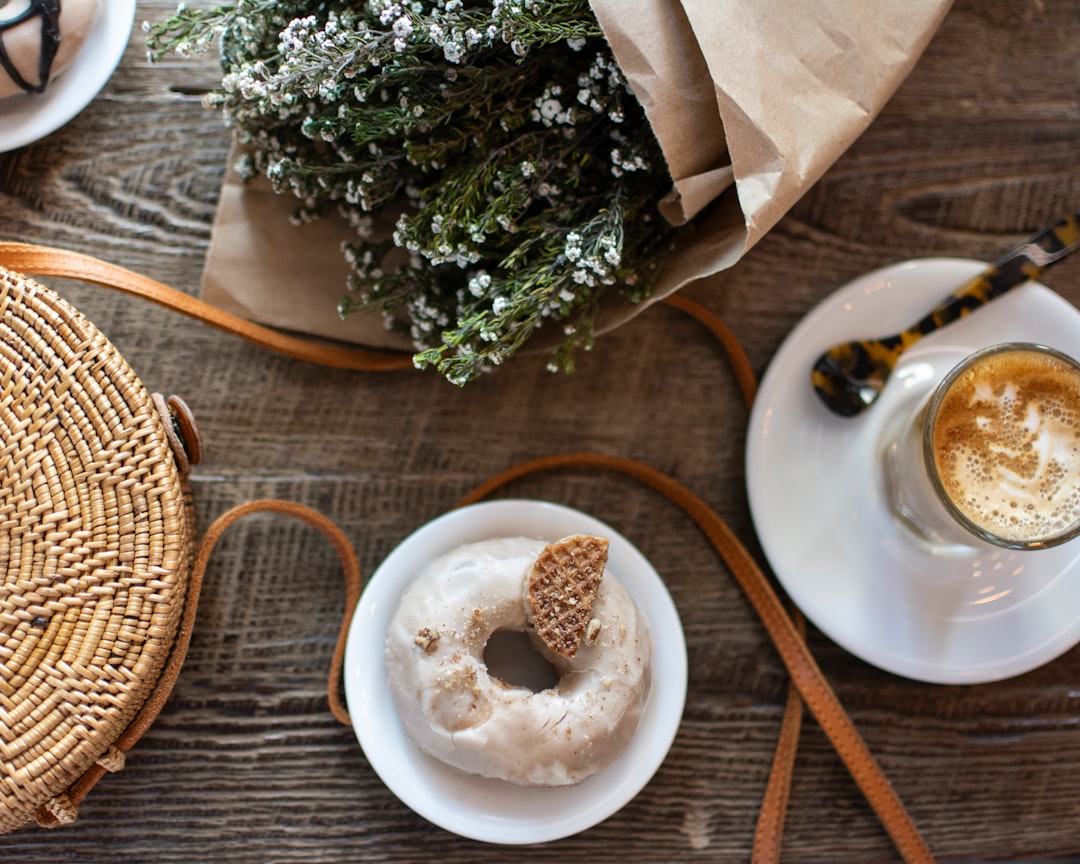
930 463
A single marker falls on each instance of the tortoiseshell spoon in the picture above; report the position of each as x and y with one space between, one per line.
850 377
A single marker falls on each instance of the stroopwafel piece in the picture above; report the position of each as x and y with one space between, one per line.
562 587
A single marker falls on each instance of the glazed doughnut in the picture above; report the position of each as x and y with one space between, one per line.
39 39
454 709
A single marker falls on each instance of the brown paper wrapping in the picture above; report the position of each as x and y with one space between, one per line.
751 103
265 268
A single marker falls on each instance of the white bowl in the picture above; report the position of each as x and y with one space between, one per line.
495 811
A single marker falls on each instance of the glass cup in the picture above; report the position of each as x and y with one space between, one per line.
993 455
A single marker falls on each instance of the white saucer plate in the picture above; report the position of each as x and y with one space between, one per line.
494 811
25 119
817 496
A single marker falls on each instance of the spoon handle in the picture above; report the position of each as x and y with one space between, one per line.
1021 263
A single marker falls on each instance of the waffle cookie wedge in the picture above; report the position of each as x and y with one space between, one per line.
561 588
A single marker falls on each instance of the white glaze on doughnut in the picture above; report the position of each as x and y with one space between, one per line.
23 41
454 710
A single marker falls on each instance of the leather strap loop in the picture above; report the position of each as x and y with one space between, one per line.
51 814
350 568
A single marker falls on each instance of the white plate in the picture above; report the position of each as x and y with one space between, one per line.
817 499
27 118
492 810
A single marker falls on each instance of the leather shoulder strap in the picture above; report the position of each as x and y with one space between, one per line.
805 673
48 261
809 685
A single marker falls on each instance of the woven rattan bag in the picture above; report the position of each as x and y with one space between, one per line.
95 540
101 564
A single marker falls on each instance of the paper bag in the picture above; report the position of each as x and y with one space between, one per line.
751 103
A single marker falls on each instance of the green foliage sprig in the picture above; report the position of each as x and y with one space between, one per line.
521 172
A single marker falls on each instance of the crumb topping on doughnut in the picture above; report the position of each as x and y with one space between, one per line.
562 589
427 639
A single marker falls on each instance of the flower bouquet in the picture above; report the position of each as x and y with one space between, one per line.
511 164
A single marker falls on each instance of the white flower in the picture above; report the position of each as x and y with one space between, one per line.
550 108
572 249
479 284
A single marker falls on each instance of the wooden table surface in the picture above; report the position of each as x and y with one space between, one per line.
978 148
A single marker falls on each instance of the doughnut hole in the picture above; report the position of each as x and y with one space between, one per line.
511 658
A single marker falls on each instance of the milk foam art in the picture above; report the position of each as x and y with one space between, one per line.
1002 444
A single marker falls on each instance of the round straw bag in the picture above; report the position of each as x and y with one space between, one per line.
95 547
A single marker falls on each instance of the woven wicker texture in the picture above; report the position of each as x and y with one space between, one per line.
94 548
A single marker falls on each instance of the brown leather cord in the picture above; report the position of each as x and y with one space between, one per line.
740 365
769 831
58 812
350 568
805 673
807 681
47 261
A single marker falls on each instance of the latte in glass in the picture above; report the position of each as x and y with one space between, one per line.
1001 443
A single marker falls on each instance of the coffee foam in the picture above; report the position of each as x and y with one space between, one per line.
1007 445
